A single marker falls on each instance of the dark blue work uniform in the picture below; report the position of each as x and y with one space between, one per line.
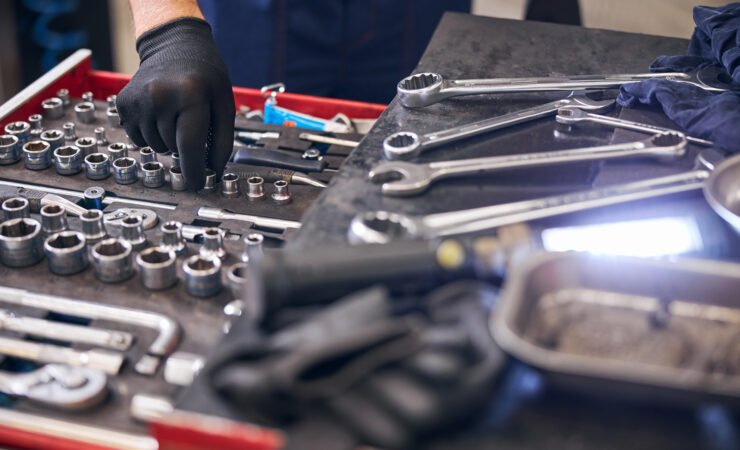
351 49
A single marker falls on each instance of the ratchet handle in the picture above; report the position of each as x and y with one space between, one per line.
273 158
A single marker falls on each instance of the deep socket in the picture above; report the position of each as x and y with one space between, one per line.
213 243
237 278
147 154
152 174
16 208
252 246
87 96
255 188
53 218
97 166
85 112
36 155
100 139
21 242
88 145
63 95
157 268
175 160
10 150
111 100
177 181
53 108
132 231
125 171
66 252
112 260
230 185
19 129
93 226
70 133
55 138
202 276
117 150
172 236
68 160
281 195
92 197
210 183
37 123
113 119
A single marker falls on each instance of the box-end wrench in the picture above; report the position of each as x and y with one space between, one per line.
570 115
107 361
49 329
424 89
379 227
408 145
401 178
57 385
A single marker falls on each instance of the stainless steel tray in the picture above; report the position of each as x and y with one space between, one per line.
647 327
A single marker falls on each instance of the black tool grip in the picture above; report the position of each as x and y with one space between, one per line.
269 174
272 158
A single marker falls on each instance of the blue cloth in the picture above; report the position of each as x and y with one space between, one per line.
716 40
350 49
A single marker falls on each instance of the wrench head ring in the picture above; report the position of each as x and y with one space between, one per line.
570 115
421 89
672 145
401 177
402 145
88 387
380 227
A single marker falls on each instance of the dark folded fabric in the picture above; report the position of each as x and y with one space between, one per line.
716 40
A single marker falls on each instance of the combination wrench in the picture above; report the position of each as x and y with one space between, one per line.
107 361
408 145
573 115
380 227
402 178
424 89
57 385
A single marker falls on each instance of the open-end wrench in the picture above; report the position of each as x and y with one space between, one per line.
378 227
407 144
107 361
402 178
571 115
66 332
57 385
424 89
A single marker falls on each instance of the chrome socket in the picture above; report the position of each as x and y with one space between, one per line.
172 237
157 268
111 100
93 226
177 181
152 174
63 95
53 218
230 185
147 154
97 166
132 231
66 252
85 112
93 197
281 195
87 96
252 246
210 184
10 150
112 260
70 133
113 119
100 139
55 138
255 188
237 278
125 171
67 160
53 108
175 160
16 208
202 276
87 145
36 155
213 243
37 123
21 243
117 150
19 129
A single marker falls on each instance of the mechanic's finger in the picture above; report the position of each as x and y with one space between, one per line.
166 127
132 131
192 133
223 134
153 139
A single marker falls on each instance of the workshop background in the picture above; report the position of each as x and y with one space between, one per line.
46 31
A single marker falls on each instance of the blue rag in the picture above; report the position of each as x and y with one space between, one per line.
704 114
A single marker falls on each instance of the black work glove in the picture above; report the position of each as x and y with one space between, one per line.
180 99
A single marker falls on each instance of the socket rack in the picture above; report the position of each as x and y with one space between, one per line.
201 319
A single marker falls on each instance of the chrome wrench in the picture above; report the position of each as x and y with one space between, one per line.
402 178
49 329
408 145
108 362
57 385
266 222
572 115
424 89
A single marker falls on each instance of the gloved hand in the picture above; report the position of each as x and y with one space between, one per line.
180 99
